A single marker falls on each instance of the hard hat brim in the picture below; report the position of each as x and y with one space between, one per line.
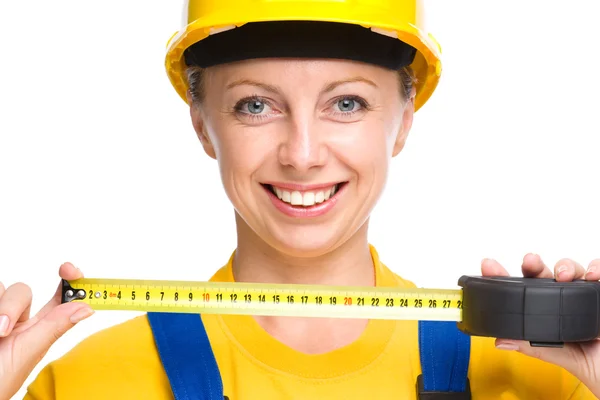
300 39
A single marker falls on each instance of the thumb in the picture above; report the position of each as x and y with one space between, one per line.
35 341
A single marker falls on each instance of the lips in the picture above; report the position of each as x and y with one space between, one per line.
304 201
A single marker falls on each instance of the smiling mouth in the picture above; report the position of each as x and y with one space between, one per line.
304 198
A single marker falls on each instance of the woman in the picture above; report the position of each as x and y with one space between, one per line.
303 119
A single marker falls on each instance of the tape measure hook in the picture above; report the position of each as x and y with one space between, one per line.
69 293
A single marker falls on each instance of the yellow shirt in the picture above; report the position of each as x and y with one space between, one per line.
122 363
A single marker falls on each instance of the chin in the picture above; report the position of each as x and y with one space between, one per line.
308 241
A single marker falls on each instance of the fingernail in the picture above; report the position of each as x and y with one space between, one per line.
507 346
4 321
81 315
561 269
591 269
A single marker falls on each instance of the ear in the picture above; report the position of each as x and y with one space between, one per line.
200 127
407 120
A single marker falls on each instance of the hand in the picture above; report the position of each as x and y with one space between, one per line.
580 359
24 341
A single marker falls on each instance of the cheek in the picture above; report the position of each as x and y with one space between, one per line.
240 151
366 148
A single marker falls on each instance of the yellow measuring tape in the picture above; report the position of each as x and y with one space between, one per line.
266 299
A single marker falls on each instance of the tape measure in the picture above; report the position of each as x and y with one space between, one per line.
542 311
266 299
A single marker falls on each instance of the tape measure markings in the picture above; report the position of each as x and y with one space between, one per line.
267 299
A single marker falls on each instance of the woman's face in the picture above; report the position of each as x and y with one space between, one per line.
303 146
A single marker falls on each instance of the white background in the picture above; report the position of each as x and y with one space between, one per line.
99 164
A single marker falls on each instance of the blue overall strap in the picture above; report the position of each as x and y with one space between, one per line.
445 353
186 356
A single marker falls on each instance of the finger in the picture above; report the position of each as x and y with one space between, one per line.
593 271
15 305
567 270
35 341
68 272
534 267
490 267
4 321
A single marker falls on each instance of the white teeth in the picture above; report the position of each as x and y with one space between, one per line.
320 197
296 198
309 199
305 199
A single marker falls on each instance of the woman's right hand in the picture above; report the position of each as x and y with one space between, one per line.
24 341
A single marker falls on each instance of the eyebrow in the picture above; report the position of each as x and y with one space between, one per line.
265 86
276 89
335 84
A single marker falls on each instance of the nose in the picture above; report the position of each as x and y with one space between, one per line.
303 146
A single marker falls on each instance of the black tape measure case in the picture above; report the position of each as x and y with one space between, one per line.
542 311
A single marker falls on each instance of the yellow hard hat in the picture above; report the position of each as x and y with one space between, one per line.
389 33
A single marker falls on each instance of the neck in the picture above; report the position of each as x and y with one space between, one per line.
348 264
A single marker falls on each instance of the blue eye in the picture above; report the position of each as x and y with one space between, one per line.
346 105
349 108
255 106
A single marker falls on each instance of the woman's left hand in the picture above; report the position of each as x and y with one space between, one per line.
580 359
